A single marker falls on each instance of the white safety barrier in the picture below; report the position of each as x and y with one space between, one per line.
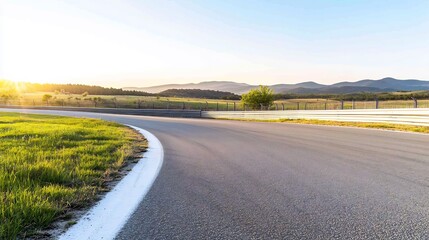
415 116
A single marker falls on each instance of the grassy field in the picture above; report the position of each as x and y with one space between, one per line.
143 102
50 165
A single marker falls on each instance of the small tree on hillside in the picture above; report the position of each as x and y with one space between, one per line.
260 96
77 101
115 102
46 98
139 103
7 95
96 100
8 91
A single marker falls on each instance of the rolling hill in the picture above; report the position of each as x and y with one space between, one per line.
223 86
367 85
198 93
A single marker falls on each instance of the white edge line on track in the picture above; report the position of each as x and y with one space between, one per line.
109 215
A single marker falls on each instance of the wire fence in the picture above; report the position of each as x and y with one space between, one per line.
213 105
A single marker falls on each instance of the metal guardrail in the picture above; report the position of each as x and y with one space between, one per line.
417 116
126 111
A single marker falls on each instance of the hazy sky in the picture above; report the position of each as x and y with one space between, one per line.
142 43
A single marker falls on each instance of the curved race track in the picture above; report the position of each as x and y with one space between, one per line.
243 180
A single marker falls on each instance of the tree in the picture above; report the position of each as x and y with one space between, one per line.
96 100
255 97
46 98
115 102
139 103
8 94
8 91
78 101
84 94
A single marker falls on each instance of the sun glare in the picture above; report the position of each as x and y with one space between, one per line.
12 86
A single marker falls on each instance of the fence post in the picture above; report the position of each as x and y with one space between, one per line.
415 102
234 106
376 103
261 106
217 106
297 106
207 106
353 104
227 107
183 106
342 104
283 106
326 105
305 106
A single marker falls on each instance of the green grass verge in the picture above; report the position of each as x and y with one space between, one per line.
50 165
385 126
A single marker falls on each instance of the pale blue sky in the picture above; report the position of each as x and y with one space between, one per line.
142 43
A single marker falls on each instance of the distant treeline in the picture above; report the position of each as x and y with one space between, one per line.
80 88
363 96
198 93
97 90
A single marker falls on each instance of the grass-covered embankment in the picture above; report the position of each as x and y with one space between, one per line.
50 165
374 125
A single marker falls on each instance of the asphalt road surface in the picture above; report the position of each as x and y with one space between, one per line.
244 180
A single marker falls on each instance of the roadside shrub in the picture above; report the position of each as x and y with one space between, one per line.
260 96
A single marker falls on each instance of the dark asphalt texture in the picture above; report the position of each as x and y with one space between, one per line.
247 180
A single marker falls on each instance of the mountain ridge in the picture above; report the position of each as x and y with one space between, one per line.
387 84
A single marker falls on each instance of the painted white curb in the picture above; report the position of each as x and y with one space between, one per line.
108 216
